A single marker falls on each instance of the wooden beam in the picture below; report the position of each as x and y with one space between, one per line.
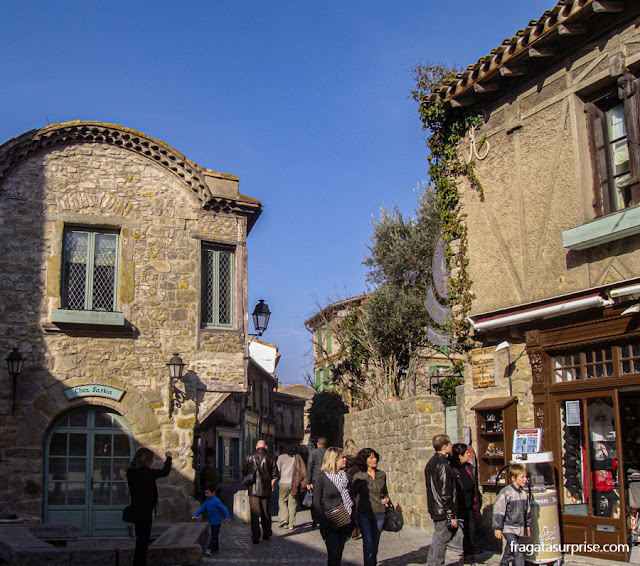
604 6
541 52
512 71
486 87
571 29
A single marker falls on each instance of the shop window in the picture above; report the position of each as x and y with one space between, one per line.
217 287
585 365
589 457
89 270
630 358
611 116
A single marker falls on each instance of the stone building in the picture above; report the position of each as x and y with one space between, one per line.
307 393
119 252
323 325
553 252
290 416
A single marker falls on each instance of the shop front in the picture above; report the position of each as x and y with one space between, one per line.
586 396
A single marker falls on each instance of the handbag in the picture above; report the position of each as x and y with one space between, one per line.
308 498
393 521
248 480
128 514
338 517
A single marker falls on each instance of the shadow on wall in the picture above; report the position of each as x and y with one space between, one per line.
64 457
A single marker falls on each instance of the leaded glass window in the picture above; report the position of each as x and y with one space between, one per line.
217 287
89 270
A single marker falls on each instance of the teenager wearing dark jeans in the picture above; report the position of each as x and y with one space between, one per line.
370 492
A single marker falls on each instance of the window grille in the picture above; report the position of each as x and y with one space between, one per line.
217 286
89 270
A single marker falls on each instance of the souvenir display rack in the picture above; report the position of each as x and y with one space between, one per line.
496 420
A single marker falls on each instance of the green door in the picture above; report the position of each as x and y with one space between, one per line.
87 453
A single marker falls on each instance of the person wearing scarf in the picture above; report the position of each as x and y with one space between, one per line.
332 489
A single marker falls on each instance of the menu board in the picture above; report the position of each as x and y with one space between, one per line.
527 440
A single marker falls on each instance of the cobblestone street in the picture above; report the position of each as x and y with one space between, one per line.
305 547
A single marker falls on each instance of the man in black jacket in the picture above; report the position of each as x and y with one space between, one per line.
441 499
261 465
314 469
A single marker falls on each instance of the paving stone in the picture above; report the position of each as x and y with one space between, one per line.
305 547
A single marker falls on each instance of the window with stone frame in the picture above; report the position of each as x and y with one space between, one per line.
217 287
615 143
89 267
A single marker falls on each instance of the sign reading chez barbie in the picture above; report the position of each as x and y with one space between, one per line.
94 390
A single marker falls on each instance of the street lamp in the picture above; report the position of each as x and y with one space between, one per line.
176 367
15 362
261 316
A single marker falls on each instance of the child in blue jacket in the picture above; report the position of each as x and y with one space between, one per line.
214 508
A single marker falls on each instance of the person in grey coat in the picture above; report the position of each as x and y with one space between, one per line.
314 471
512 516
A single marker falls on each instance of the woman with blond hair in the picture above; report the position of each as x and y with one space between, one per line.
144 497
331 493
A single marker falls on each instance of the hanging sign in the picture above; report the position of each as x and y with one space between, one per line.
94 390
440 271
438 338
437 312
483 367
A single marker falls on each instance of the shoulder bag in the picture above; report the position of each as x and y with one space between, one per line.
128 514
248 480
338 517
393 520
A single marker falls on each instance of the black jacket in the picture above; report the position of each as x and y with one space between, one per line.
263 468
314 467
142 486
441 488
467 493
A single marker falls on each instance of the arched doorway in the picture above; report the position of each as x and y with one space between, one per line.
87 452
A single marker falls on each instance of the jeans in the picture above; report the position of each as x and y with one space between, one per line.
334 539
143 536
442 534
213 543
287 504
370 527
512 551
260 516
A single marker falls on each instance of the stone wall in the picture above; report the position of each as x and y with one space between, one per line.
401 433
161 225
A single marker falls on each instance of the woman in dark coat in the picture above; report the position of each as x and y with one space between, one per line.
329 491
467 495
144 497
370 489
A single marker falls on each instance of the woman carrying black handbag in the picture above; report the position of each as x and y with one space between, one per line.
370 488
144 497
333 504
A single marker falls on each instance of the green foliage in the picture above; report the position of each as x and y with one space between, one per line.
401 247
447 126
325 414
447 389
381 340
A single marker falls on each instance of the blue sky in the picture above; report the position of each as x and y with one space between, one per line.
306 101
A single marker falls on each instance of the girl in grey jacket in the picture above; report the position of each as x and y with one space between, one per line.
512 516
